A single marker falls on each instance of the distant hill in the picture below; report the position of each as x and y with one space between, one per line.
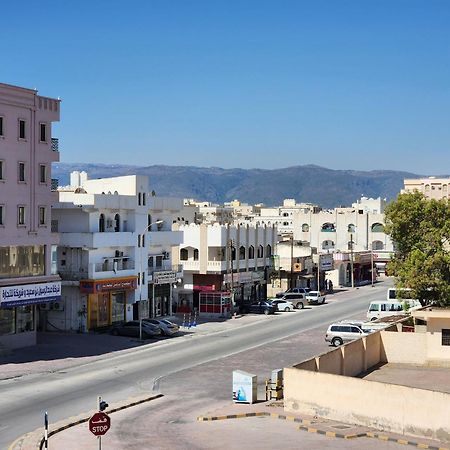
314 184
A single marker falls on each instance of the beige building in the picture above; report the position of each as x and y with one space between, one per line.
431 187
402 378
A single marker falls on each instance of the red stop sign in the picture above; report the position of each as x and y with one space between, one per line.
99 423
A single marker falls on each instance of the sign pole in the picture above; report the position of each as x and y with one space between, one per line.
46 430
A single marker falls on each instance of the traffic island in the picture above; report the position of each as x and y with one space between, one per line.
35 439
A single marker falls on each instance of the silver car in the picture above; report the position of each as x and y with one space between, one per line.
167 327
339 333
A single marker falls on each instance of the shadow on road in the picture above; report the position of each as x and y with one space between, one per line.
55 346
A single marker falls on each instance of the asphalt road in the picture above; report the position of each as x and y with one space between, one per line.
74 390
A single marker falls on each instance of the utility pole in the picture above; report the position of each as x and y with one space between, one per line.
351 260
292 257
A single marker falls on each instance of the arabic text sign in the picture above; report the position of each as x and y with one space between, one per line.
99 424
30 293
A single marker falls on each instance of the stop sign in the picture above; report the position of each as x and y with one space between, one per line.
99 423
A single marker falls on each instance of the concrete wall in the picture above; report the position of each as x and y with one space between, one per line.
403 348
388 407
437 351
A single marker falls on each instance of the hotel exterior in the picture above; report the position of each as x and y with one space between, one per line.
27 149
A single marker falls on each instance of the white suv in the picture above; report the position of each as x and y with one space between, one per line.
338 333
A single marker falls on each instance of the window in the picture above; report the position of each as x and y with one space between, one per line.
2 215
22 125
21 215
2 170
241 252
251 252
1 126
195 254
269 251
351 228
143 198
21 175
42 215
445 336
260 251
159 261
305 228
184 254
377 228
101 223
43 132
117 223
143 240
139 199
42 173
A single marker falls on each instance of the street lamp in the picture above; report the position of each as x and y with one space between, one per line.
141 278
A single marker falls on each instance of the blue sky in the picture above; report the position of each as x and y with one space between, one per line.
343 84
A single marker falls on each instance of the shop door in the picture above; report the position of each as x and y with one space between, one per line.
98 311
118 302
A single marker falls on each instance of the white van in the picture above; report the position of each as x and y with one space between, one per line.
398 294
383 308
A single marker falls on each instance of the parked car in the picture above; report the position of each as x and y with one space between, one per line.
168 328
296 298
338 333
296 290
132 329
264 307
283 305
315 297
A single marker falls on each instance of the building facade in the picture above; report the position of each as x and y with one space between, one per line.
431 187
27 274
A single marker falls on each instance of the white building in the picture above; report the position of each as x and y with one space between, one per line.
114 238
431 187
218 258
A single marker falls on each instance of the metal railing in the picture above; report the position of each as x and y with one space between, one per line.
55 145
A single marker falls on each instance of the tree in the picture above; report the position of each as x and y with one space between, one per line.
420 229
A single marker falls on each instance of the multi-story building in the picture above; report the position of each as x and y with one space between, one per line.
115 252
27 149
221 258
431 187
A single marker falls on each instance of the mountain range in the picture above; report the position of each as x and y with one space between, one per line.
312 184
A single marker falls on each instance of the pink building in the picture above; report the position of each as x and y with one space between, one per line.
27 244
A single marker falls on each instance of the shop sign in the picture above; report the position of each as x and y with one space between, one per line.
117 284
164 277
204 288
29 294
326 262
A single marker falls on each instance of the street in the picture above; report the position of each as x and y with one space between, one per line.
172 367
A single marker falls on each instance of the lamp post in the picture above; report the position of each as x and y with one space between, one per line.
141 278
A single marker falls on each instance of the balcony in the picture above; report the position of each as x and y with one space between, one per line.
55 145
98 240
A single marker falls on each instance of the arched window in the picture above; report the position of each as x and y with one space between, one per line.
285 214
251 252
327 245
116 223
305 227
377 228
351 228
241 252
233 253
377 245
101 223
260 251
285 224
195 254
328 227
268 251
184 254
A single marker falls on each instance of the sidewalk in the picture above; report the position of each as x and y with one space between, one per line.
58 351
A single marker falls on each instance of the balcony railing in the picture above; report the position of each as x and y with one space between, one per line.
115 266
55 145
165 267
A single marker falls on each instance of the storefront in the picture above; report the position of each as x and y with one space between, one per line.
247 287
18 311
107 300
160 293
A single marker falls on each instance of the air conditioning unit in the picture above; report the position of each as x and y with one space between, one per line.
57 306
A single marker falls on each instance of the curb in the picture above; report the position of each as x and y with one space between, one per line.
306 426
35 439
